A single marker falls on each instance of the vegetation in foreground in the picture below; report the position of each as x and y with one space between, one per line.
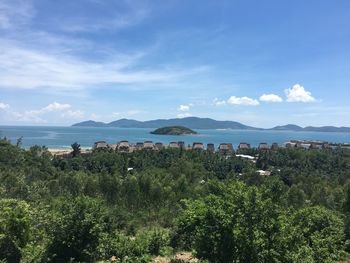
93 208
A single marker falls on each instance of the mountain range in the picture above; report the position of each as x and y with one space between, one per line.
203 123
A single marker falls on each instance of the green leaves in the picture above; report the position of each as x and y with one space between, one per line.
15 223
75 230
240 226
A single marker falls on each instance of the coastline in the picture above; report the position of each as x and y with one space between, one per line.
67 150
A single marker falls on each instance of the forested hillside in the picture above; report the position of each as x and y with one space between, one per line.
132 207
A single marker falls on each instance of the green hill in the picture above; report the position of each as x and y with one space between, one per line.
174 130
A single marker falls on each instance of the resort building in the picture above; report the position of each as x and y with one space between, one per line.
264 146
174 145
100 145
197 146
210 147
230 147
244 146
274 146
182 145
315 146
289 145
158 146
123 146
113 146
148 145
139 146
224 148
326 146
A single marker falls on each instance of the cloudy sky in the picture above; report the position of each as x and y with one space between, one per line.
263 63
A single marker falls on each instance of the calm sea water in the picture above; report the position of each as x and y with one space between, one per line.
63 137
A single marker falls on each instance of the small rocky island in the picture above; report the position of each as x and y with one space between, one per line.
174 130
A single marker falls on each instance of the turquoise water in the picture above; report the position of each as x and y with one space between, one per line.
62 137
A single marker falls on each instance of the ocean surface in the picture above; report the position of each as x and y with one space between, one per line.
63 137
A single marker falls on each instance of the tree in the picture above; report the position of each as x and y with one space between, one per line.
322 230
77 226
19 141
235 226
242 224
76 149
14 229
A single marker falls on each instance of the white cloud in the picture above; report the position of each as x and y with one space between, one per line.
4 106
246 101
270 98
29 68
55 106
27 116
116 21
184 115
298 94
46 114
218 102
184 108
15 13
78 114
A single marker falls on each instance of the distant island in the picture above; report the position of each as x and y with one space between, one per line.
203 123
174 130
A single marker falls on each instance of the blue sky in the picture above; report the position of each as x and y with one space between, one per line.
263 63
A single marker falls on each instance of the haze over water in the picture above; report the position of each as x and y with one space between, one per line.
63 137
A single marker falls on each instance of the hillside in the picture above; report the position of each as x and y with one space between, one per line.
203 123
288 127
190 122
174 130
292 127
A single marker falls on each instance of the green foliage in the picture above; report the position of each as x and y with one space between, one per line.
14 229
91 207
322 231
240 226
77 225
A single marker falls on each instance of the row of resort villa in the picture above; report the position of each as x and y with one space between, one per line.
224 148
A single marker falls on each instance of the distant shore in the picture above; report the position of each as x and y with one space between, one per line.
66 150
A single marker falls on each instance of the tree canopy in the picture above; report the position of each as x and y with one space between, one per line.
88 208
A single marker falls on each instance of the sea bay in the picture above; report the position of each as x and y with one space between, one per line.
63 137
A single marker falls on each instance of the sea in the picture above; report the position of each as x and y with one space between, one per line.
63 137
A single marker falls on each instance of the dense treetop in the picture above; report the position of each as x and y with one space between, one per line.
89 208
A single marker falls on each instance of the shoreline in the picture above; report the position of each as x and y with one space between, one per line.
67 150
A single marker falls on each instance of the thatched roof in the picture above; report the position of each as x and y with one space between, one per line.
244 145
224 146
139 145
274 146
158 145
264 146
100 145
124 144
197 146
211 147
113 146
148 145
174 145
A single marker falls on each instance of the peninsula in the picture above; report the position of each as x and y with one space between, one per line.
174 130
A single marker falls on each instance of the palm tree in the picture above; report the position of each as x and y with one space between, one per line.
76 149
